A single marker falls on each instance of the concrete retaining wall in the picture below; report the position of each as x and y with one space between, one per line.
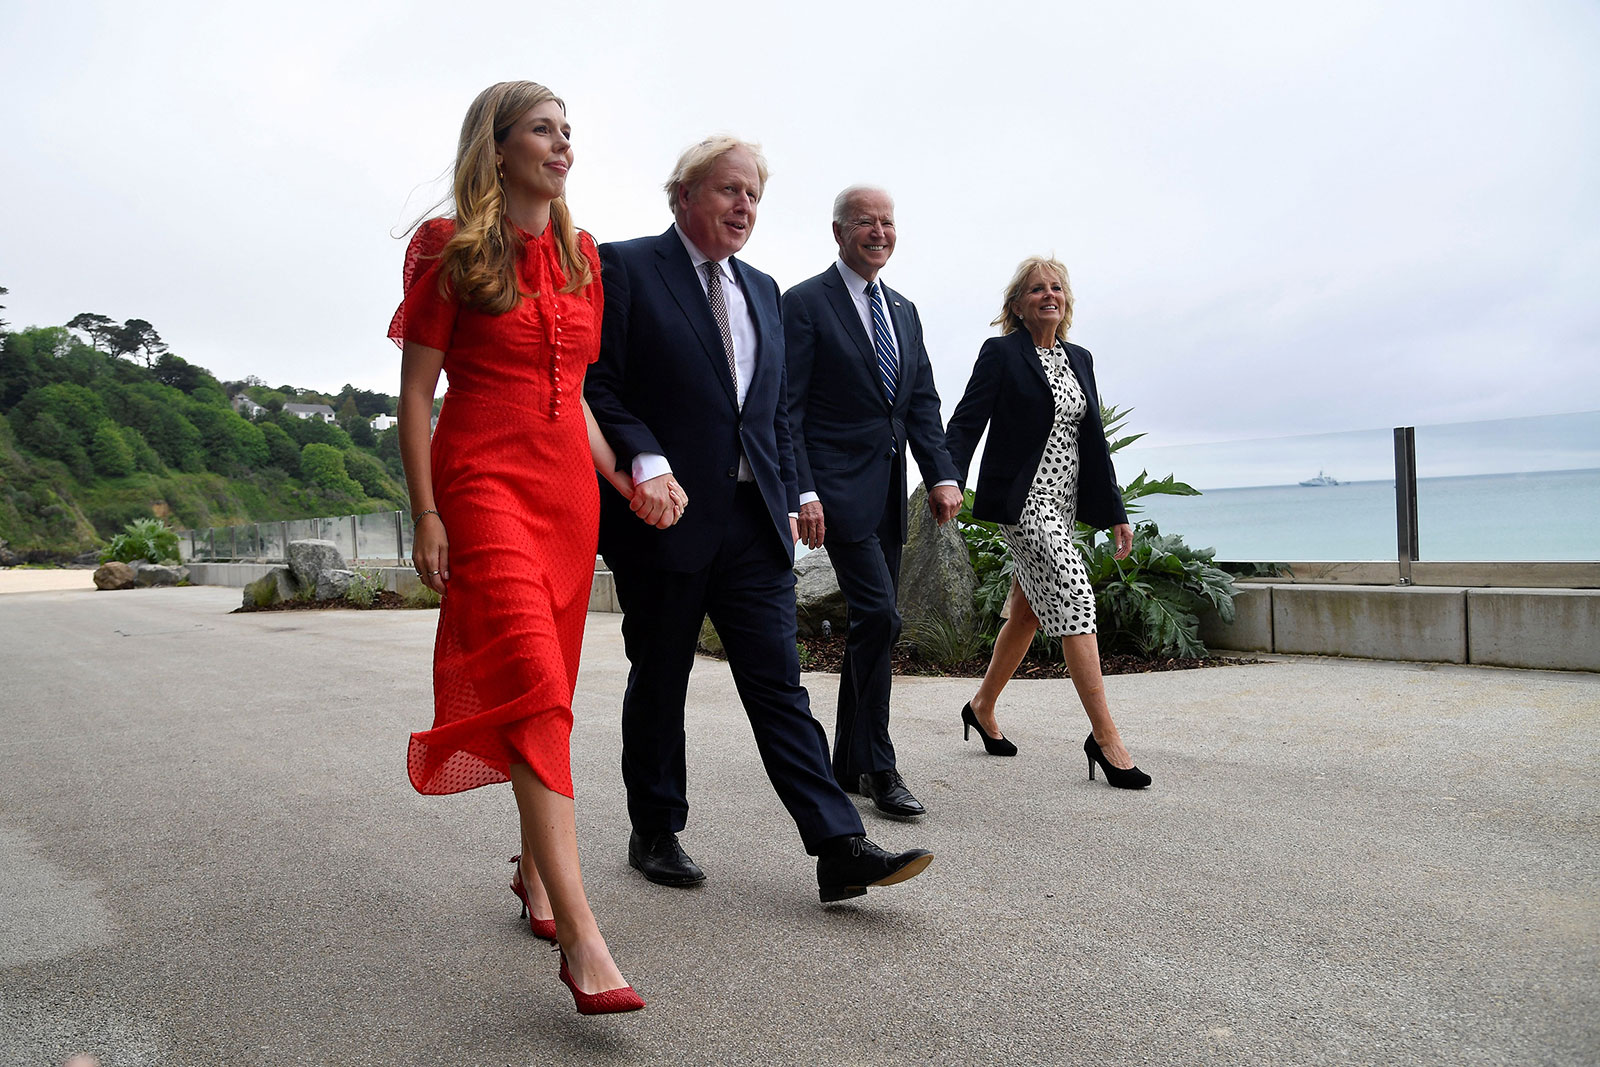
1550 629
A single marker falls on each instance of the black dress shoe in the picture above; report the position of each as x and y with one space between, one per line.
890 795
848 865
661 859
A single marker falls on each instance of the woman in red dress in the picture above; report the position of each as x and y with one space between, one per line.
505 299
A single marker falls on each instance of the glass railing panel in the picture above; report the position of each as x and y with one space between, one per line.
1312 497
376 536
1525 489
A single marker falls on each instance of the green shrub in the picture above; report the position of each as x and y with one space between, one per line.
421 597
944 643
364 587
147 539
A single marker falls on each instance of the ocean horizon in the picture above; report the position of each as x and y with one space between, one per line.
1519 517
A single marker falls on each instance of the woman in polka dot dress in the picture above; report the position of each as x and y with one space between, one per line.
1046 465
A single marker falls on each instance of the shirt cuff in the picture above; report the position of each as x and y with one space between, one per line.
947 481
808 498
647 465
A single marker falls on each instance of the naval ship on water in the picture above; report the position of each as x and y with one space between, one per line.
1322 479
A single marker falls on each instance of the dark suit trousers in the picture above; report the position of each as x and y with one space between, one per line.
748 591
869 576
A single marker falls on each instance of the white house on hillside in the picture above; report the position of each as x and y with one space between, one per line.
381 423
246 407
310 411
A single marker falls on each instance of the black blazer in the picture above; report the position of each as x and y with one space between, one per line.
1010 394
661 385
849 441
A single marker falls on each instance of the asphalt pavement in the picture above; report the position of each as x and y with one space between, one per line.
210 854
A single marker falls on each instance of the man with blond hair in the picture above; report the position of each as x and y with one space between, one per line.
690 389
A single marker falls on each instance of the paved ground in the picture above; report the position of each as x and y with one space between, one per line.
209 854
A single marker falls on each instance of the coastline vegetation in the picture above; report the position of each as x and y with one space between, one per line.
101 425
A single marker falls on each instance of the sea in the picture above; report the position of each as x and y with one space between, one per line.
1537 516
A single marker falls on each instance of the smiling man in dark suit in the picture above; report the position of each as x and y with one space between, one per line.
861 389
690 391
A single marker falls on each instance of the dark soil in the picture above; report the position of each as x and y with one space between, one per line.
384 599
826 654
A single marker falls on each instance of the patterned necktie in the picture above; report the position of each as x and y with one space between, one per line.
719 311
883 342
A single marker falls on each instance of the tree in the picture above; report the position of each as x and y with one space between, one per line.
179 373
323 466
3 292
137 336
360 431
110 452
99 328
282 452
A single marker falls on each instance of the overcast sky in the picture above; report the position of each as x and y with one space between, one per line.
1280 218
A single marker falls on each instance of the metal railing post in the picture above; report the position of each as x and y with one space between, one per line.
355 539
1405 498
284 524
399 540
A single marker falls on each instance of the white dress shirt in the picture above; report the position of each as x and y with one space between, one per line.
856 286
647 465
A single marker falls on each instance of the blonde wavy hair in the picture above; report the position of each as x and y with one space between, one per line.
480 261
1009 321
698 159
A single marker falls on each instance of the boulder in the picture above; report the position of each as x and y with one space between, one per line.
332 584
8 558
269 590
936 576
818 598
148 574
709 642
310 558
114 575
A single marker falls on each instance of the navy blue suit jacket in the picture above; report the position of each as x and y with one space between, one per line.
1010 394
849 440
661 385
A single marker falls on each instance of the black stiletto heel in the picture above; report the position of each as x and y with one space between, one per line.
995 746
1129 779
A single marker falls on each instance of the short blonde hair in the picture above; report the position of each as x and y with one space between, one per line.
1009 321
698 159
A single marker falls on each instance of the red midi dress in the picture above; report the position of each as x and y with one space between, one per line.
515 485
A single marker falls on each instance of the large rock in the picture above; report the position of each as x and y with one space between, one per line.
115 575
148 574
333 584
276 586
936 576
817 595
310 558
8 558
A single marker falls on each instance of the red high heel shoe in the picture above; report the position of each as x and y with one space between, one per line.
606 1002
545 928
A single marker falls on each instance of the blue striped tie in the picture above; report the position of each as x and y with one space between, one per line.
883 342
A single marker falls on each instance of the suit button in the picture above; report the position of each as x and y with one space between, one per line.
733 472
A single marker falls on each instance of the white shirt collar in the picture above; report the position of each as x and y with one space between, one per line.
855 282
700 259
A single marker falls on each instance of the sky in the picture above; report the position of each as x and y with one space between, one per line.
1279 219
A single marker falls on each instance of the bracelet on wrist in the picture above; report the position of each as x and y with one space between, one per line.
418 517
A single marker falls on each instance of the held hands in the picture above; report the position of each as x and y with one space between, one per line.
1122 534
659 501
810 526
945 503
430 552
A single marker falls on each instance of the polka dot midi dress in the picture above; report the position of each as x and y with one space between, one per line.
1049 568
515 486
